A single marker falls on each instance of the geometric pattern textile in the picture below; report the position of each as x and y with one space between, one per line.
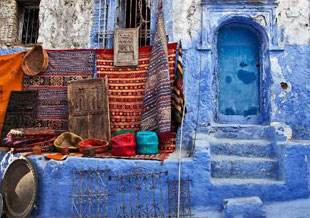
21 110
177 93
156 113
10 80
126 89
64 66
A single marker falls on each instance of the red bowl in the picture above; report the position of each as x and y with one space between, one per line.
98 145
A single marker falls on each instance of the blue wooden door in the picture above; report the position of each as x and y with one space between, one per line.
238 74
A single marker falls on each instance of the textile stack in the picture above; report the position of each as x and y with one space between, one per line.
30 140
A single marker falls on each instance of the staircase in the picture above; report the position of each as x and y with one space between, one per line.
242 155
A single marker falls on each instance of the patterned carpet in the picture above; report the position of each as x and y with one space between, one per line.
126 89
64 66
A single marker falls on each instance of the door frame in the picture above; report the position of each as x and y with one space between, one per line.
264 95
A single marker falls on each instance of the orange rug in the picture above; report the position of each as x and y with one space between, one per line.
11 76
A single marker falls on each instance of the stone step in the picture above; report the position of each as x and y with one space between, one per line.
240 131
243 167
243 207
241 147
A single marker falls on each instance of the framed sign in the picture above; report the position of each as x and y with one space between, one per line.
126 47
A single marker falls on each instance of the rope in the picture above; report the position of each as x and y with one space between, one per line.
180 151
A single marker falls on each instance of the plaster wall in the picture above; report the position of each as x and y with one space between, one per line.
65 24
8 23
288 33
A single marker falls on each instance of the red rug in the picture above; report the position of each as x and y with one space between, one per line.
126 89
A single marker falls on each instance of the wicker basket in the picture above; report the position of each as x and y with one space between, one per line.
35 61
68 140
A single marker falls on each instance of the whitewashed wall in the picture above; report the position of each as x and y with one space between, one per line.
65 24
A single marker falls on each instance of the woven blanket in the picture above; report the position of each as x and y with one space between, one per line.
45 146
10 79
156 113
21 110
126 89
177 93
22 133
64 66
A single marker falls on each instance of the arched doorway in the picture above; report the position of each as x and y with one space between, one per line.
238 52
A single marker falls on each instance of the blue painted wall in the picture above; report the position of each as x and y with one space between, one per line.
55 178
5 51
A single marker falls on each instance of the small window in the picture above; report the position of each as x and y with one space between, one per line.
137 13
28 22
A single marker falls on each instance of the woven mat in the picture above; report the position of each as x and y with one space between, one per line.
126 89
64 66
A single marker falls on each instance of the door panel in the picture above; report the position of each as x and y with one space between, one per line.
238 74
89 108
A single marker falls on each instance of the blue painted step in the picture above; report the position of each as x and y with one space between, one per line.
243 167
244 148
249 207
240 131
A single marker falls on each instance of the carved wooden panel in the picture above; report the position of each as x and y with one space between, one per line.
126 47
21 110
89 108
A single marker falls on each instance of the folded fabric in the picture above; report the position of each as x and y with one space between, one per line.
9 142
31 132
45 146
124 145
10 80
147 143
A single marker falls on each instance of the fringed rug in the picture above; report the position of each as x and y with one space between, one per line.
156 113
126 89
64 66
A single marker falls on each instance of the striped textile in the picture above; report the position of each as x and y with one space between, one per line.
126 89
64 66
177 91
156 113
